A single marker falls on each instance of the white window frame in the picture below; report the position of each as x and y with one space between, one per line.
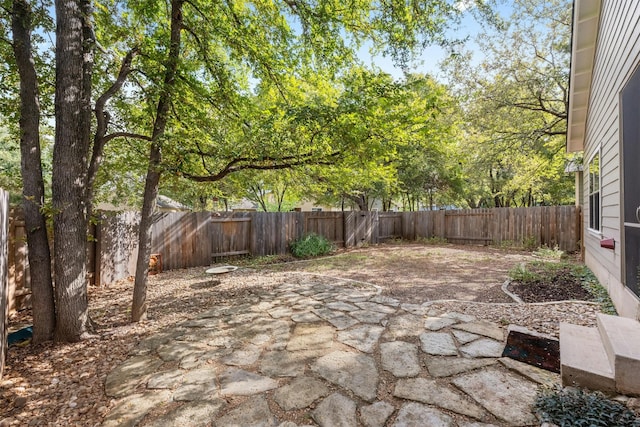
591 193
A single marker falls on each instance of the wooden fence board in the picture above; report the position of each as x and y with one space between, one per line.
4 275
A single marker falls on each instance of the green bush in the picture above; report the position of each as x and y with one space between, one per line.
311 245
571 407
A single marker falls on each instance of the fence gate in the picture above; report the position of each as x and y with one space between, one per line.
389 226
230 236
469 226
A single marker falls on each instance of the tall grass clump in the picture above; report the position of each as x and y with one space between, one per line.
311 245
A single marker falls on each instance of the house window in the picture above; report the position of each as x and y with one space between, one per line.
594 193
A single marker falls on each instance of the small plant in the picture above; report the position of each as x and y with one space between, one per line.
574 407
593 286
523 274
549 253
311 245
530 243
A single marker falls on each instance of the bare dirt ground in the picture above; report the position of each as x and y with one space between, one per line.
63 384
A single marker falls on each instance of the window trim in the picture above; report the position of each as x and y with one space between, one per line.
590 193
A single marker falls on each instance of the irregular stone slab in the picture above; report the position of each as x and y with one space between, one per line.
507 396
437 323
381 299
473 424
243 383
300 393
376 415
248 355
280 312
464 337
197 360
372 306
193 414
336 410
342 306
355 372
533 348
483 347
305 317
486 329
191 392
156 340
400 358
406 325
367 316
363 337
460 317
168 379
130 411
262 306
127 376
311 337
447 366
416 414
430 392
176 350
540 376
201 376
343 322
242 318
417 309
438 344
282 364
254 412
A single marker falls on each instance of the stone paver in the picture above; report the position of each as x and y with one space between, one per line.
328 352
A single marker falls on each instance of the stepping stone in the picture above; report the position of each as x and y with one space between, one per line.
168 379
282 364
336 410
486 329
254 412
193 414
459 316
176 350
343 322
400 358
196 392
311 337
243 383
243 357
406 325
156 340
376 415
342 306
446 366
392 302
372 306
305 317
474 424
438 344
437 323
198 360
464 337
354 371
130 411
483 347
125 378
416 414
300 393
367 316
417 309
363 337
200 376
540 376
507 396
430 392
280 312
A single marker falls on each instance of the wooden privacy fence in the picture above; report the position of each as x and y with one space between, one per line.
185 239
4 276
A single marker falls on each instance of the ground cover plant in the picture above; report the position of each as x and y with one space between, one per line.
311 245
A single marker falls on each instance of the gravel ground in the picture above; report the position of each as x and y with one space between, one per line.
63 384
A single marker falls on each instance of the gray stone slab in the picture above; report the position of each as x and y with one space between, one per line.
417 309
362 337
305 317
248 355
239 382
336 410
483 347
460 317
507 396
476 424
400 358
381 299
254 412
130 411
156 340
197 360
486 329
193 414
176 350
538 375
380 308
124 379
280 312
167 379
343 321
416 414
376 415
353 371
311 337
438 344
406 325
448 366
429 391
464 337
200 376
282 364
367 316
300 393
196 392
342 306
437 323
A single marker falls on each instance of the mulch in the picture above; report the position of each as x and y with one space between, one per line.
562 287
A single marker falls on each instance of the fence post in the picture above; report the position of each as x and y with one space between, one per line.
4 276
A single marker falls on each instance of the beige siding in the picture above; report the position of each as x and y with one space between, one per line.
617 56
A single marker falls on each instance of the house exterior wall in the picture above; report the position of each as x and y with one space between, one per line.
617 56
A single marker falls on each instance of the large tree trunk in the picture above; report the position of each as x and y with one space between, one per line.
33 183
74 41
139 305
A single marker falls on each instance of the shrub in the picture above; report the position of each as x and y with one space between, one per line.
574 407
311 245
